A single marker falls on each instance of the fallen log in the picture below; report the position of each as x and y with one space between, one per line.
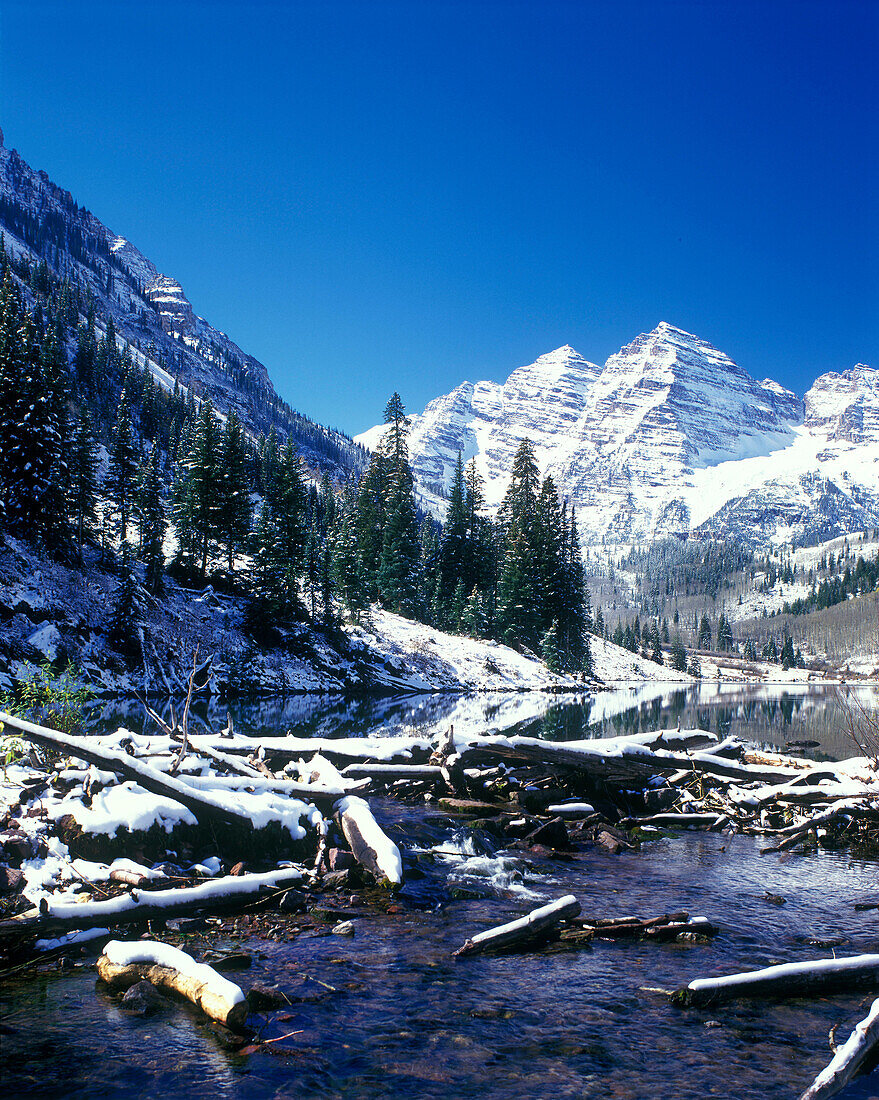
123 964
785 980
682 820
539 924
390 773
206 808
848 807
622 760
849 1059
133 907
341 750
371 847
667 926
319 795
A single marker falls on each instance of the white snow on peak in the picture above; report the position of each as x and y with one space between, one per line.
669 435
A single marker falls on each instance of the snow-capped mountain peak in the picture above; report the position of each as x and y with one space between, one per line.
670 435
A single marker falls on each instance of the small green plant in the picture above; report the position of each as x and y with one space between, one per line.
53 699
12 749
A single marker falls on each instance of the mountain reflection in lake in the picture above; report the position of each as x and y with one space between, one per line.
773 716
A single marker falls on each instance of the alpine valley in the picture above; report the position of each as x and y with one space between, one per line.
669 437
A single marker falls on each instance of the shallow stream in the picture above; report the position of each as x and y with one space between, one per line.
387 1012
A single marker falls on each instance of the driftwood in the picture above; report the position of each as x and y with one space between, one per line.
847 807
122 964
371 847
205 808
323 797
631 760
681 820
539 924
664 927
786 980
390 773
849 1059
134 908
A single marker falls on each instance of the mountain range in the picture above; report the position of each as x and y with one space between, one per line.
43 223
669 437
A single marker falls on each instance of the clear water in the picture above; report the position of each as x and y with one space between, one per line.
404 1019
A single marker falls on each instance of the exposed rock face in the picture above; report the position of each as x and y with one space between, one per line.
670 436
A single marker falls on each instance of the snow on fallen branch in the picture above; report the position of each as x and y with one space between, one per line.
785 980
538 924
371 847
123 964
205 807
849 1059
133 907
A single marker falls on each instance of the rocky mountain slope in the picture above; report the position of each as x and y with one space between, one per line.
669 437
50 612
151 312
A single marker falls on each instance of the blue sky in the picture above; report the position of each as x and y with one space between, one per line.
374 196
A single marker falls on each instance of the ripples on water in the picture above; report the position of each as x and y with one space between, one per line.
408 1021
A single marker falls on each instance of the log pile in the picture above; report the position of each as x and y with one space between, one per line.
238 806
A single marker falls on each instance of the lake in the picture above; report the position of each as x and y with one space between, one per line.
388 1012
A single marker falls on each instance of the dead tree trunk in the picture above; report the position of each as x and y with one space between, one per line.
539 924
786 980
123 964
849 1059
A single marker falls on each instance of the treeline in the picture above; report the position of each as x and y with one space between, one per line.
857 581
244 513
674 569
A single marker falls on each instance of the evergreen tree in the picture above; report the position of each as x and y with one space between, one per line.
549 648
83 480
703 640
472 621
128 610
656 646
151 511
234 509
519 597
455 561
281 537
399 574
372 502
346 571
678 655
196 492
788 659
123 466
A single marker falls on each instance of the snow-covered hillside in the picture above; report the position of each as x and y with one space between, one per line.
669 437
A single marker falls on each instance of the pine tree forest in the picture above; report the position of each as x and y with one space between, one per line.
98 459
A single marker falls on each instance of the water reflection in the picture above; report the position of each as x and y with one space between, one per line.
772 716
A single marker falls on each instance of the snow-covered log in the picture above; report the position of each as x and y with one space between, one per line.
123 964
390 773
785 980
371 847
135 907
206 807
538 924
624 760
849 1059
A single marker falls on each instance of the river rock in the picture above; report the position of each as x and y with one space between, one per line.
551 834
11 880
142 999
